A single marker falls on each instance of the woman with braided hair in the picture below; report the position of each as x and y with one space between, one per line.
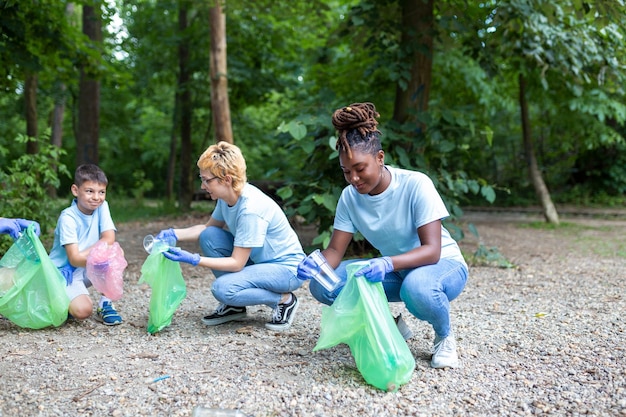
399 212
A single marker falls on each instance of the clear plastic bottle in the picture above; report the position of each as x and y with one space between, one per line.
201 411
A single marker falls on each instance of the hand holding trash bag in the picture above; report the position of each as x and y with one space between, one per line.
168 290
377 269
36 298
180 255
15 227
167 235
360 317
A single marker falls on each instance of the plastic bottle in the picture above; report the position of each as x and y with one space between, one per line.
201 411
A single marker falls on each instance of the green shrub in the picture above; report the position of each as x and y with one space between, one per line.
24 185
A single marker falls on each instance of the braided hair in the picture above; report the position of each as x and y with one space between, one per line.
356 126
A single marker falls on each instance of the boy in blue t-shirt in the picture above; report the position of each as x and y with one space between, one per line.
80 226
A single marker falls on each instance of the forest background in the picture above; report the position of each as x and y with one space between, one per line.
507 102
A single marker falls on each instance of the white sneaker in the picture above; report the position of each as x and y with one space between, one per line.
444 352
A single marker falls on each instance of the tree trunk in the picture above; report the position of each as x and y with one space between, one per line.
184 97
417 39
56 138
89 94
30 100
59 99
220 106
171 162
549 211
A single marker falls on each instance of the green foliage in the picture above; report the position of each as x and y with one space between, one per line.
486 256
25 181
292 63
124 209
141 186
313 194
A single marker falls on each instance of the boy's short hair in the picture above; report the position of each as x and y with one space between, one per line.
224 159
89 172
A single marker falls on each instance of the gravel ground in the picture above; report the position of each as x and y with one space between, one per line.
543 338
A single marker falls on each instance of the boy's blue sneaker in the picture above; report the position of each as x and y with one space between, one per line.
107 314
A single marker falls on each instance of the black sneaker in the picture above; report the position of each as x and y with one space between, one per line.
223 314
283 315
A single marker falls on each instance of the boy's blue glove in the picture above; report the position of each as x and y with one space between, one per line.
167 235
377 269
16 226
179 255
68 273
307 269
25 223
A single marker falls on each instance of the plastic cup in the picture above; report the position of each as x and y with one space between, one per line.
154 245
325 275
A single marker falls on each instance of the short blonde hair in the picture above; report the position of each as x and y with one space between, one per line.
224 159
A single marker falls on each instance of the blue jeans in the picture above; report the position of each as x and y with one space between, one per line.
255 283
426 291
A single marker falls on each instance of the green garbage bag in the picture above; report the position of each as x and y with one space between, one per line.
360 317
168 289
32 290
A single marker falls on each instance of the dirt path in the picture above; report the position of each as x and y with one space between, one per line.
544 337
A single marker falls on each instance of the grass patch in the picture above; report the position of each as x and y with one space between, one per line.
127 210
605 241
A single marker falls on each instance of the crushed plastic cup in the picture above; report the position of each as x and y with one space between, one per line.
153 245
325 275
7 279
26 246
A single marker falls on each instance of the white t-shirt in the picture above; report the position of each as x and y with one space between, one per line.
257 222
74 226
389 220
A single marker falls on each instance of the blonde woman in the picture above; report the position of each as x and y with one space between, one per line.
247 242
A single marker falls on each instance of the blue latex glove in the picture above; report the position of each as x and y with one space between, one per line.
377 269
167 235
68 273
179 255
25 223
101 268
15 227
307 269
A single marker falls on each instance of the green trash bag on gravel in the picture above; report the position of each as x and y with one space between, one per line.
32 290
168 289
360 317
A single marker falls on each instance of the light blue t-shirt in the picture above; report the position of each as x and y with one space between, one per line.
257 222
389 220
74 226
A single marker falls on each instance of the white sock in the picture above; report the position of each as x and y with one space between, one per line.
103 299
